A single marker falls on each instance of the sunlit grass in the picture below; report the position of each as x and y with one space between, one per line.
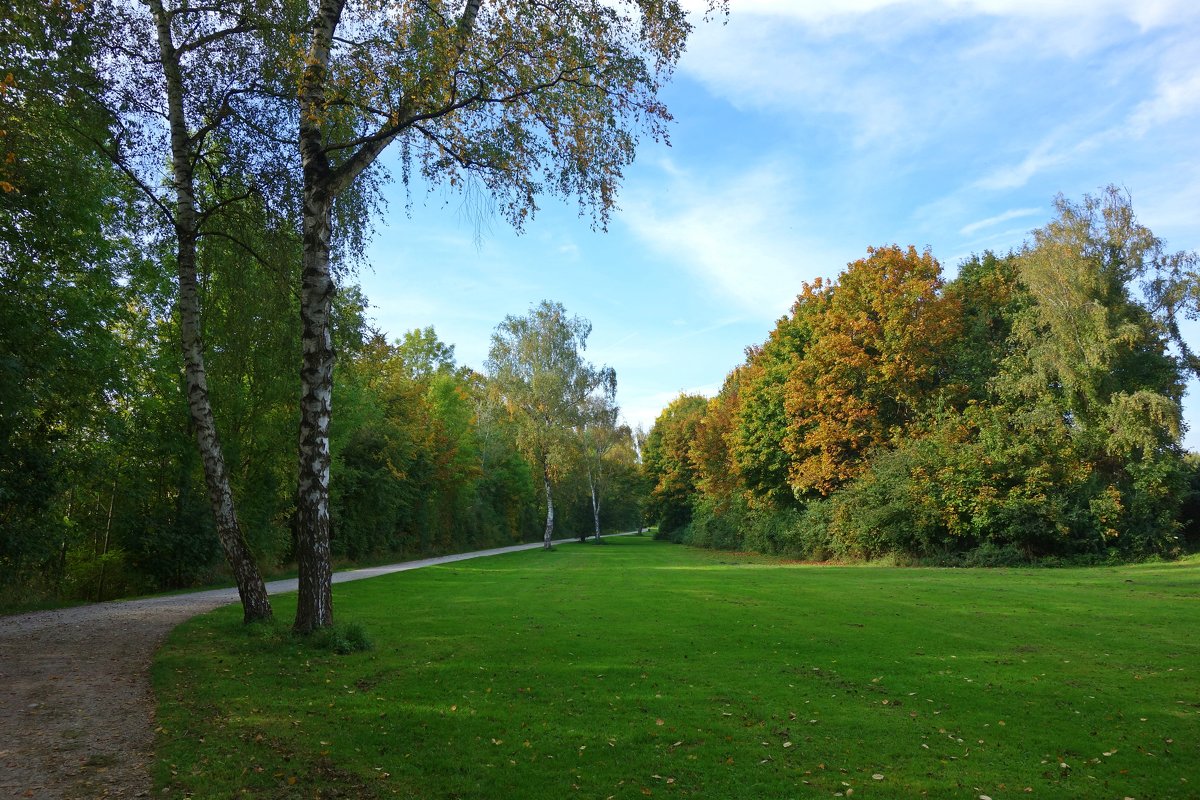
645 669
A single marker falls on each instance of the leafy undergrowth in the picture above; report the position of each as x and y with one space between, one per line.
644 669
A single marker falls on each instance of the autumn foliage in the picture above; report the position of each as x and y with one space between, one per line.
1030 407
877 356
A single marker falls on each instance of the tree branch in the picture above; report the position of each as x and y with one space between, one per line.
115 157
215 36
221 205
262 262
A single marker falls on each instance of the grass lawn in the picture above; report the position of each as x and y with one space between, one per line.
643 669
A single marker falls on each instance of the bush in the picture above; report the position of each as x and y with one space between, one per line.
341 639
716 526
802 533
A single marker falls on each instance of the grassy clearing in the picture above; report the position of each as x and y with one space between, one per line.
646 669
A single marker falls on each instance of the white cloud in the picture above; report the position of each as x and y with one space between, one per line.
737 235
890 73
1177 95
1014 176
763 63
1016 213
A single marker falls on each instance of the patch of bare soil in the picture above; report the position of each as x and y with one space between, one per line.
76 709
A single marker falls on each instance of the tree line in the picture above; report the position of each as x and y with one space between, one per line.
1028 408
102 492
184 188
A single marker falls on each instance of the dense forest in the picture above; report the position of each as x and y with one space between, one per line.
102 491
185 193
1029 408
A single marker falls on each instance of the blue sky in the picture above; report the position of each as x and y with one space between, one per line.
803 135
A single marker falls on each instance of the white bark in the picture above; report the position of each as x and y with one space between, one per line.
251 588
549 510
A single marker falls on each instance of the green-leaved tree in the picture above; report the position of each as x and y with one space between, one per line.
539 375
506 99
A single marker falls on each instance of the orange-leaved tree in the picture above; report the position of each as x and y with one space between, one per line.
876 360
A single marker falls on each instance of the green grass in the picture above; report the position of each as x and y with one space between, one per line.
647 669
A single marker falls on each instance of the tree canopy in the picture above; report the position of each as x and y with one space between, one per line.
1028 408
540 377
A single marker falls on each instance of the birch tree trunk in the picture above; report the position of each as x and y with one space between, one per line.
251 589
595 506
314 607
314 604
549 510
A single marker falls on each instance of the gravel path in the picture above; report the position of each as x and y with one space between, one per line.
76 709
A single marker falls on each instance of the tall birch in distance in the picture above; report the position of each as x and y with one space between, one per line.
599 434
538 374
172 71
503 99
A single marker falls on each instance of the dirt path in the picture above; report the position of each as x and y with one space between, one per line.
76 710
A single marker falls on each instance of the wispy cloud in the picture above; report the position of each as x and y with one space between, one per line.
774 64
1044 156
1016 213
896 75
738 235
1176 95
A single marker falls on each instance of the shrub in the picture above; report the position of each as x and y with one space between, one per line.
343 639
715 525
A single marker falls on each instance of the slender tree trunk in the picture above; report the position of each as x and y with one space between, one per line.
112 502
62 560
549 510
595 507
314 608
251 589
583 532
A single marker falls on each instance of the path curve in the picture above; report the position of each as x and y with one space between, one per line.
76 708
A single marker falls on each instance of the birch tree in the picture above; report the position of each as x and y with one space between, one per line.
599 434
538 374
504 99
172 71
